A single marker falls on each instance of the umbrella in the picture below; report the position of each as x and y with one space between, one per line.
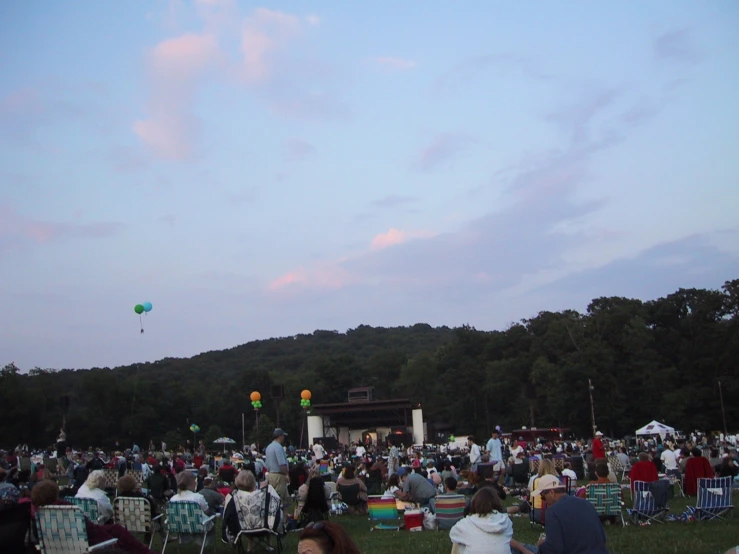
224 441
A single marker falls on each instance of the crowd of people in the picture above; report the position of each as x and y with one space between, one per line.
302 486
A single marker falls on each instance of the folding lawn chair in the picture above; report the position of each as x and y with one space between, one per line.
650 500
62 530
606 499
135 515
449 509
714 498
383 510
88 506
187 518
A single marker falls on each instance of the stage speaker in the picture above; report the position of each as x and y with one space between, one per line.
277 392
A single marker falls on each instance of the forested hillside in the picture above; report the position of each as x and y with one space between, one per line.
660 359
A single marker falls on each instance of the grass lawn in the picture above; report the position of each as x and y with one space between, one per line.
711 537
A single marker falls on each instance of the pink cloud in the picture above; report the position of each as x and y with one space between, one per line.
325 276
396 63
397 236
175 66
265 34
15 229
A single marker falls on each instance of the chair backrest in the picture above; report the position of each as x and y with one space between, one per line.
349 494
133 513
25 464
714 494
566 482
88 506
605 498
185 517
449 509
382 509
110 478
533 465
136 474
61 530
615 464
51 464
323 466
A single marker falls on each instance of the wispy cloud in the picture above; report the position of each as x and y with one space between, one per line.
297 150
677 46
168 219
507 64
397 236
395 63
16 230
440 151
392 200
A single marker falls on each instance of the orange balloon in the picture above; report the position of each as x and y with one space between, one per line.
305 395
255 396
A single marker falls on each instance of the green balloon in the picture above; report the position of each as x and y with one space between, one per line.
139 309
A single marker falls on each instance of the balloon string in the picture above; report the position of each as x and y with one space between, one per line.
141 323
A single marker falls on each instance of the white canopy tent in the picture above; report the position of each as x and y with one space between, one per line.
656 428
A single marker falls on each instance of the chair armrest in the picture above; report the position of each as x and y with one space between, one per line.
102 544
157 517
210 518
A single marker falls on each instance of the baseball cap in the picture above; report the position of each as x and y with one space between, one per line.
546 483
599 434
279 433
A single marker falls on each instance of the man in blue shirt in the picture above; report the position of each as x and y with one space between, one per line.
572 524
277 466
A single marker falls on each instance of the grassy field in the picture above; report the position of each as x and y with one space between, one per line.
710 537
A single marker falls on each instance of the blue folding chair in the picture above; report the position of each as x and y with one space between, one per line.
714 498
650 500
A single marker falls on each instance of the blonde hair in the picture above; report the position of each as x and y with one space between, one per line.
245 481
96 479
546 467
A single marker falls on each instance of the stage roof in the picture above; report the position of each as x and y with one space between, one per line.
361 415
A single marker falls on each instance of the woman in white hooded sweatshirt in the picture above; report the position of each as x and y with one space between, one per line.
487 529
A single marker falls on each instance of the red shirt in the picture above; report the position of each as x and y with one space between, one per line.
598 450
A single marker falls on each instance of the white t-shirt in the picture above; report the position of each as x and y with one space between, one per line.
475 454
189 496
571 474
361 451
514 454
319 451
670 459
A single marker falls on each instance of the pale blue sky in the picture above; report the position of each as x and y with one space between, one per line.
259 170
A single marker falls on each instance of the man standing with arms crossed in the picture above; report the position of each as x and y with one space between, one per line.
277 465
495 448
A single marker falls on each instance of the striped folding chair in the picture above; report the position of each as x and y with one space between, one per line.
449 509
188 519
88 506
714 498
110 478
135 515
606 499
323 467
61 530
650 501
383 510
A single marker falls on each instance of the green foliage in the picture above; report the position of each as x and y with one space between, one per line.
264 436
214 432
660 359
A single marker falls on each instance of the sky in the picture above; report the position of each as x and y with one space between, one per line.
264 170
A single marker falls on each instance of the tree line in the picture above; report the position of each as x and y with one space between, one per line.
660 359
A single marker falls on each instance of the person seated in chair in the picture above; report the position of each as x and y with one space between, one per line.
348 482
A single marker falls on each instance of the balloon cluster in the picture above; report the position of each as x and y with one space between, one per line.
256 400
305 399
141 308
451 438
194 428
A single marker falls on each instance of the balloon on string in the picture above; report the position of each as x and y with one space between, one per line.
194 428
139 309
255 396
147 306
306 394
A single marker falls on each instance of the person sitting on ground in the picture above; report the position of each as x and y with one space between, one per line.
315 507
572 524
487 529
93 488
393 486
416 489
315 472
326 537
46 493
